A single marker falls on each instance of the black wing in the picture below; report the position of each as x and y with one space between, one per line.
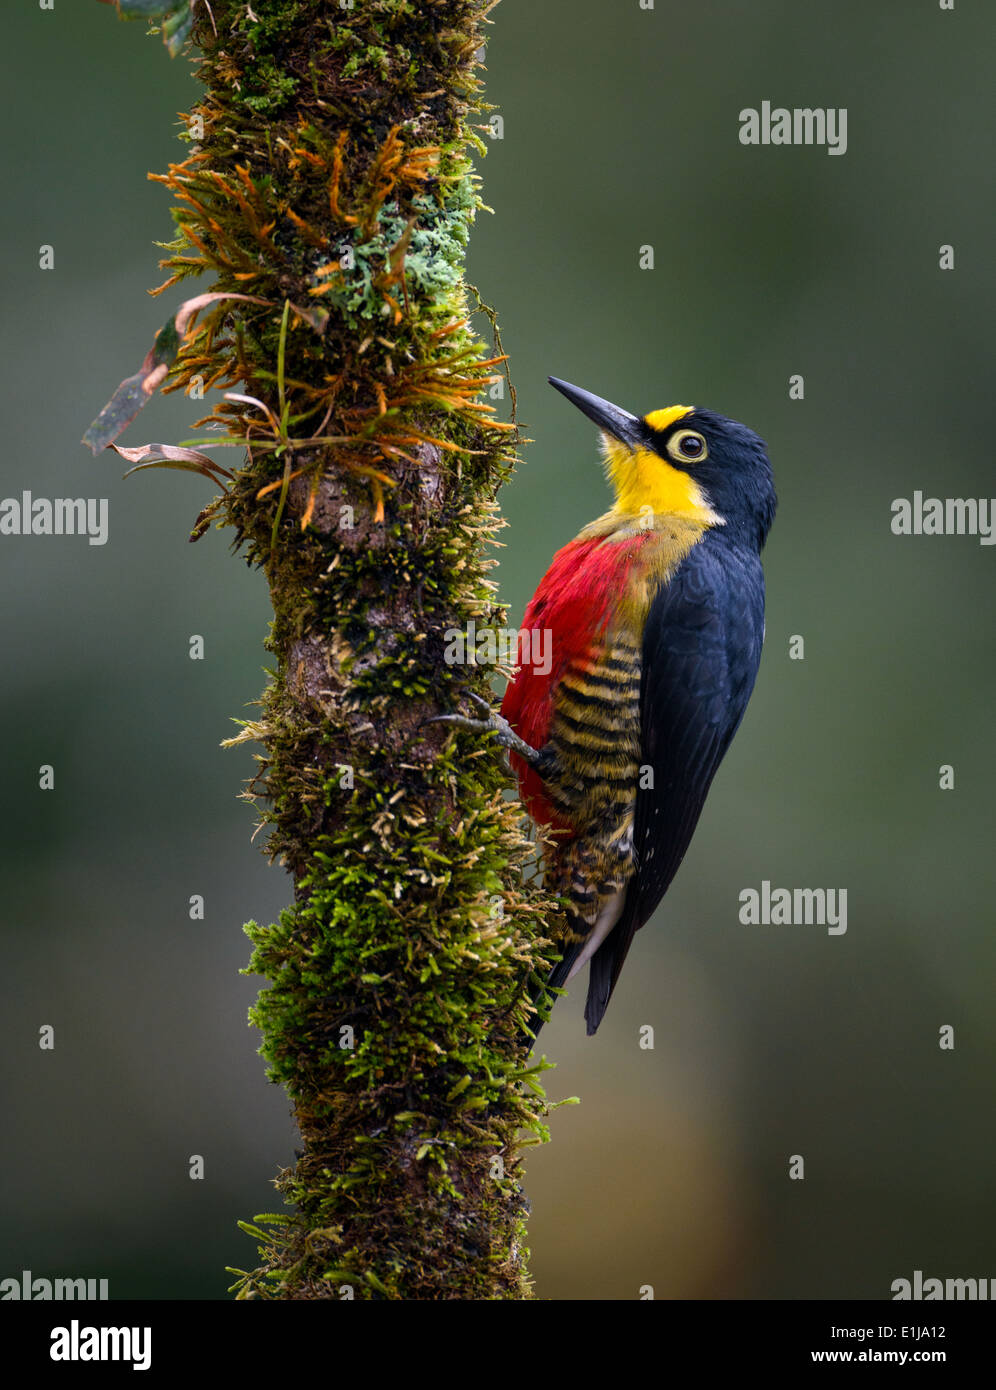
701 650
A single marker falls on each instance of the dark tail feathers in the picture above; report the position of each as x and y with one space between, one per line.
602 976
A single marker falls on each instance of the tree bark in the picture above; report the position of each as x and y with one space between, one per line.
330 180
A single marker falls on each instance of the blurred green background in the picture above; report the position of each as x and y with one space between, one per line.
621 129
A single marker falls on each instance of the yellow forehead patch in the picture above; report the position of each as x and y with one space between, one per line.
660 419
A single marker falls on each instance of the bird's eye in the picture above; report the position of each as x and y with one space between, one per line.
687 444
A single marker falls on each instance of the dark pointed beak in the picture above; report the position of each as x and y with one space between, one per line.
628 429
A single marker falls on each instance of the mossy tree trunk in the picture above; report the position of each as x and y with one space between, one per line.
330 181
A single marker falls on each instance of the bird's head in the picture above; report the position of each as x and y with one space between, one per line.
682 461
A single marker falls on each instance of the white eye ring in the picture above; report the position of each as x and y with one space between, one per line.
676 447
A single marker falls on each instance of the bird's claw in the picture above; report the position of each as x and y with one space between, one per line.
495 724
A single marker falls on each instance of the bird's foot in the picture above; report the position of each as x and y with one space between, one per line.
494 724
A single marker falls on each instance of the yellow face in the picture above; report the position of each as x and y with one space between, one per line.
645 484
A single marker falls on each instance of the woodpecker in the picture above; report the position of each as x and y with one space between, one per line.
655 618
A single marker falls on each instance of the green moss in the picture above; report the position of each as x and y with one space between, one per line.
396 982
275 90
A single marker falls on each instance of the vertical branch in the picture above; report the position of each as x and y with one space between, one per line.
330 186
